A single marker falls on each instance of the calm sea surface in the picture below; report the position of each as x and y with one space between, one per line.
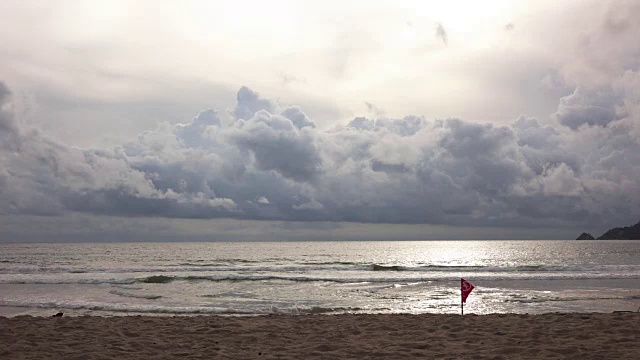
318 277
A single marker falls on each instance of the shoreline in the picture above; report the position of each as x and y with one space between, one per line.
362 336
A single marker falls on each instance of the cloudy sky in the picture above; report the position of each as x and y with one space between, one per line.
284 120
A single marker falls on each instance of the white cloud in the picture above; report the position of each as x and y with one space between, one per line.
311 205
320 160
407 170
583 107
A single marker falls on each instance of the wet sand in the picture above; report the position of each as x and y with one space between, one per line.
497 336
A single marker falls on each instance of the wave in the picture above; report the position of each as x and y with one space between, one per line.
156 279
183 310
183 267
315 310
130 308
230 294
223 262
350 263
476 268
126 287
162 279
385 276
215 262
200 265
570 299
350 280
137 296
335 266
376 267
124 281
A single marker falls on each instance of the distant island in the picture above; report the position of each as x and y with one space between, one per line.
623 233
585 236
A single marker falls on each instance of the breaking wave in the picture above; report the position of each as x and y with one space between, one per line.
237 266
156 279
136 296
183 310
166 279
474 268
534 300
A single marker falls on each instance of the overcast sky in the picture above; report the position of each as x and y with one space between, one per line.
284 120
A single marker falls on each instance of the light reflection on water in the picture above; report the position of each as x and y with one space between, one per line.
320 277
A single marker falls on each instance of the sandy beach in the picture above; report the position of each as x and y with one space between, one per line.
548 336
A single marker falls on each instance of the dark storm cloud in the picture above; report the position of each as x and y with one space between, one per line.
277 144
5 93
8 126
585 107
272 163
191 134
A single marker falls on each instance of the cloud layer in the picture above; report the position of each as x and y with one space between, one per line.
266 161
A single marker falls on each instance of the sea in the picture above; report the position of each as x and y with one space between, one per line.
270 278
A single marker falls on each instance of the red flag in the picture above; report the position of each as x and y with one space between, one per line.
465 288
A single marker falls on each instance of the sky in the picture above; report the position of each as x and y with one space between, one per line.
319 120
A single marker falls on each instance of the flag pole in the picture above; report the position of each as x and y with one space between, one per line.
461 298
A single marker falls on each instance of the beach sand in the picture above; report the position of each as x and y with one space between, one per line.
511 336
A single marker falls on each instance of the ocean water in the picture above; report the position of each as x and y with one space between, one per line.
318 277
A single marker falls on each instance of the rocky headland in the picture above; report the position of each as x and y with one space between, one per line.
619 233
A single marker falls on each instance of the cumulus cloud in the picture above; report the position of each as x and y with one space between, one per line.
271 162
249 102
298 117
8 126
587 107
313 204
44 177
278 145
